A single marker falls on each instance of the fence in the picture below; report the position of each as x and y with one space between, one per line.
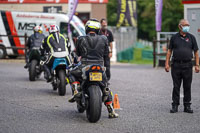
12 46
124 37
162 52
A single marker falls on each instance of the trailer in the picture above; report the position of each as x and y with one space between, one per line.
15 25
192 14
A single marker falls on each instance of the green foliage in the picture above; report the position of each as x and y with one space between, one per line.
143 61
172 13
112 12
137 54
140 62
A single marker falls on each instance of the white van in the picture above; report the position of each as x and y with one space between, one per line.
18 23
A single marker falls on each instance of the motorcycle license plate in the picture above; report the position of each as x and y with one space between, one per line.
95 76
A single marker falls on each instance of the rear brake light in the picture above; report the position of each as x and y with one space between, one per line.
98 68
94 67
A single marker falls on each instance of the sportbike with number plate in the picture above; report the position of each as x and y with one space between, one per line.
91 94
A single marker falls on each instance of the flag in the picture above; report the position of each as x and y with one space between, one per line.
127 13
158 7
131 13
72 4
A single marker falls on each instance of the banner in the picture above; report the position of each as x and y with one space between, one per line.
131 13
158 7
127 13
72 4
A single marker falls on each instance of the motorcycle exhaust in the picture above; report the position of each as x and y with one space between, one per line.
105 94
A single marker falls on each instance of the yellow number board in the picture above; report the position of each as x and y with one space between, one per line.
95 76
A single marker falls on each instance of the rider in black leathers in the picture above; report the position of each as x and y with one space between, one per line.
92 49
35 40
53 43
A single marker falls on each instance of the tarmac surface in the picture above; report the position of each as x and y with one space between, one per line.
144 96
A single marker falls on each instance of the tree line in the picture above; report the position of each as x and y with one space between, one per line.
171 14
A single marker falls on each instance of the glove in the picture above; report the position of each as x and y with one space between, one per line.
75 57
43 58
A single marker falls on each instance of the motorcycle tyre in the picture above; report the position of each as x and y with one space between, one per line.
93 111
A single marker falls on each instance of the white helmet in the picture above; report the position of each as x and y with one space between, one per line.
92 25
53 28
38 29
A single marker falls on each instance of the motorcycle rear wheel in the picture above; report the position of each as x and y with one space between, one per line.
93 111
62 84
32 70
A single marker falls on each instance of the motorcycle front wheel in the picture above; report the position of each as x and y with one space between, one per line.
93 111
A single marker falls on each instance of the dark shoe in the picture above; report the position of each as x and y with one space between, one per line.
188 109
174 109
76 95
49 79
26 66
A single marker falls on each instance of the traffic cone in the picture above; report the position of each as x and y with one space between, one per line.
116 102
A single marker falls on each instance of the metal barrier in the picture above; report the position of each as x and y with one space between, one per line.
155 53
125 37
16 47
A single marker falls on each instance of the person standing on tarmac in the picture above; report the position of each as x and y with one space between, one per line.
182 45
92 48
104 31
35 40
55 42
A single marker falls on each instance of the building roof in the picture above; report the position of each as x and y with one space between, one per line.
48 1
191 1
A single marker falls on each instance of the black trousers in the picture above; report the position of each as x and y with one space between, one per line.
181 72
107 65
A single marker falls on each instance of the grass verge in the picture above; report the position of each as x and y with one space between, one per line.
138 61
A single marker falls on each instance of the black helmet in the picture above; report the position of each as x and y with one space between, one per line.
92 25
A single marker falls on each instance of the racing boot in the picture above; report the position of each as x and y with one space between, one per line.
47 74
26 66
111 111
75 93
27 61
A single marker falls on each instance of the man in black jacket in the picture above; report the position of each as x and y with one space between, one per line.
182 44
92 48
105 31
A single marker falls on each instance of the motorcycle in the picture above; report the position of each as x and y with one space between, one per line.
34 66
58 73
91 95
